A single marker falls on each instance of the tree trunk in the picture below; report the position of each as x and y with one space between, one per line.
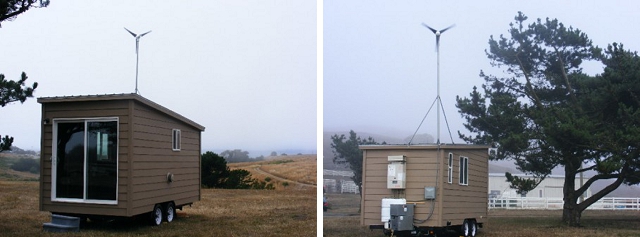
571 212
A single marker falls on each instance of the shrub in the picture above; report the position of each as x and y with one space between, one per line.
26 165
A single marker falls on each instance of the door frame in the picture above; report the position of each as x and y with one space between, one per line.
54 152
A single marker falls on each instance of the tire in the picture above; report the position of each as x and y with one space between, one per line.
169 212
465 230
156 215
473 230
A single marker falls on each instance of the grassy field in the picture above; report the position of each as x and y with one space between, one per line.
220 213
291 169
8 159
342 220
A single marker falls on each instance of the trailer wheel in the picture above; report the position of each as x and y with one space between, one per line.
465 227
170 211
473 228
156 215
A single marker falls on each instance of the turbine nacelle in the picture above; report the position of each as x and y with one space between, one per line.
137 37
438 33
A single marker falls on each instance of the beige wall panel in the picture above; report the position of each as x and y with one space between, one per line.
378 191
165 165
122 113
377 179
163 185
376 198
140 175
162 191
468 189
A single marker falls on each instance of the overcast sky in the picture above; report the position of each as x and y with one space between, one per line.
380 62
246 70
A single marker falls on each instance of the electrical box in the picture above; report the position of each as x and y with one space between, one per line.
396 172
401 217
429 193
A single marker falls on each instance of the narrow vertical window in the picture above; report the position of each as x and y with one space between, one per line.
450 169
175 140
464 170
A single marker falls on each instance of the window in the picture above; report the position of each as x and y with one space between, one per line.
175 139
450 168
85 160
464 170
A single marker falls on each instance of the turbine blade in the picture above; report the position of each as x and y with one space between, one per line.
145 33
134 35
432 29
445 29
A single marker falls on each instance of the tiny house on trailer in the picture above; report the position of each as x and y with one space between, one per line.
118 155
424 190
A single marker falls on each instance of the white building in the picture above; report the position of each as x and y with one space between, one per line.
550 187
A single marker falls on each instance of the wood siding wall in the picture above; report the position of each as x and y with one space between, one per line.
145 156
458 201
154 159
85 110
454 202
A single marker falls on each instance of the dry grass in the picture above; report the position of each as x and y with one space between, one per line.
298 168
502 223
219 213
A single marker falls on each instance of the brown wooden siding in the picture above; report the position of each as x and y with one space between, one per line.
154 158
82 110
144 153
454 202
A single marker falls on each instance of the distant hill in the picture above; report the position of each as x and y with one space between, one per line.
7 160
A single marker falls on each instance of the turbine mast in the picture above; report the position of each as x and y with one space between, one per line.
438 99
137 55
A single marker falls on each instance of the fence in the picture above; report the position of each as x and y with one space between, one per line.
330 185
348 186
612 203
343 173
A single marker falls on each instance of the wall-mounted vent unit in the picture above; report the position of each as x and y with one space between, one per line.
396 172
395 158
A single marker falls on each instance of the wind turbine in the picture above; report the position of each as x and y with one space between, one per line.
137 46
438 100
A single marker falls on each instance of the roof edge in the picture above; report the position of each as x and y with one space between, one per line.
123 96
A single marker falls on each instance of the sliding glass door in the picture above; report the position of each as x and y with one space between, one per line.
85 164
